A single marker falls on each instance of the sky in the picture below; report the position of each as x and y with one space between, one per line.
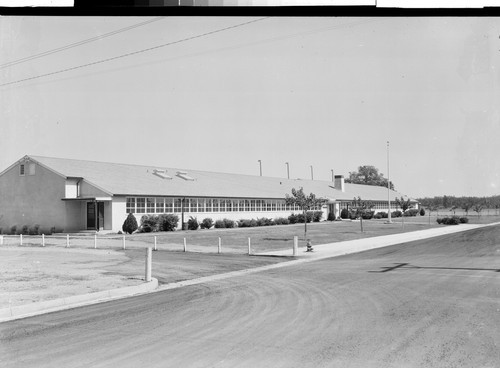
220 93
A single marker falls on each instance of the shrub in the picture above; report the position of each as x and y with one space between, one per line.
317 215
453 220
219 224
463 220
300 217
34 230
130 224
25 230
229 224
13 230
53 230
293 219
368 215
344 213
411 212
396 214
422 212
281 221
149 223
207 223
331 216
192 223
247 223
167 222
263 221
381 215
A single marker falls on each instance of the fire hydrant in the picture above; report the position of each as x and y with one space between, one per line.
309 246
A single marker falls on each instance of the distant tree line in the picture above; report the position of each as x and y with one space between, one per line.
464 203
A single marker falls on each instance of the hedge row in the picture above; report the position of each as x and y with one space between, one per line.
30 230
169 222
453 220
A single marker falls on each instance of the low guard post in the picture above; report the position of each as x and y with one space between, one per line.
295 245
149 256
43 240
67 240
20 239
219 250
95 241
249 247
155 244
185 245
123 241
1 239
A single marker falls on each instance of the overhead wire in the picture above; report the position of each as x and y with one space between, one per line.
75 44
134 52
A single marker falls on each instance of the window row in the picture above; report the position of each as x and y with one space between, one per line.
172 205
377 205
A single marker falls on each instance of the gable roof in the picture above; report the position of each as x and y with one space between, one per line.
137 180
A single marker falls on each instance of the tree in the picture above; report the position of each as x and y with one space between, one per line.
361 207
305 203
368 175
466 207
130 224
478 208
404 204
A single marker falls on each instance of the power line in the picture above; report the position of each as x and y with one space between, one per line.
133 53
75 44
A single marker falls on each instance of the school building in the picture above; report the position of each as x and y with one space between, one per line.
75 195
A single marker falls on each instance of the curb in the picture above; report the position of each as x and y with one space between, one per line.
34 309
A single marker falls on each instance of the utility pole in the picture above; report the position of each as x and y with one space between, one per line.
287 170
388 187
333 177
312 175
260 166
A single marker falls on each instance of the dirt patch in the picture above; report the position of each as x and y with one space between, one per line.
37 274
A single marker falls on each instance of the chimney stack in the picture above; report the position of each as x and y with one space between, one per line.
339 183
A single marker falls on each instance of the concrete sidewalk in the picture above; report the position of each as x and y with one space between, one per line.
329 250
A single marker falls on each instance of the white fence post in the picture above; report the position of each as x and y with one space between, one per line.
43 240
20 239
155 243
220 246
67 240
249 247
295 245
1 239
95 241
149 256
123 241
185 245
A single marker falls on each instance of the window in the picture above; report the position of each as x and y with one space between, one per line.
235 205
268 205
228 205
247 205
168 205
177 205
193 204
252 205
141 205
150 205
215 204
160 205
208 205
273 204
21 170
130 205
201 204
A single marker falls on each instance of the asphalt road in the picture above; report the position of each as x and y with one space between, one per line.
431 303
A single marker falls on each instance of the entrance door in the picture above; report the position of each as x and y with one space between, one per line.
95 219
